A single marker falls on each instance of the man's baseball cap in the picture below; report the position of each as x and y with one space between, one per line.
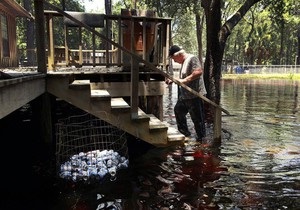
174 50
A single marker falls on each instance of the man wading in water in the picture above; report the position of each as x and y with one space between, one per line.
190 74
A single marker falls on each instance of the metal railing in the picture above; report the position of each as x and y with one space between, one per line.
262 69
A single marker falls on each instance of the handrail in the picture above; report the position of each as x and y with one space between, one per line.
148 64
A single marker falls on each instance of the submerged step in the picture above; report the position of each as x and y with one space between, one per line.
174 135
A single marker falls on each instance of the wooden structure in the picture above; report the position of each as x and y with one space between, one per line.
129 98
131 95
9 11
146 35
111 101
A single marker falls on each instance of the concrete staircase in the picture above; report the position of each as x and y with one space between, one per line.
114 110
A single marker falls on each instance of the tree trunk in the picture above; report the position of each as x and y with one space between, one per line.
216 40
213 56
199 27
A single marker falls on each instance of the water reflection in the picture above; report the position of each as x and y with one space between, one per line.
262 157
257 165
169 178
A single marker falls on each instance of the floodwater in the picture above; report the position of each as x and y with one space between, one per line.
263 154
256 166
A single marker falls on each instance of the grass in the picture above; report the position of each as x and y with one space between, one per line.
261 76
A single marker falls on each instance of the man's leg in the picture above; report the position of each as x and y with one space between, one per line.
181 111
197 115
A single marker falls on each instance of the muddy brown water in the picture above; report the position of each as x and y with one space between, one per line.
256 166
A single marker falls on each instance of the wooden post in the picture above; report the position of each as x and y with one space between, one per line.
155 106
166 36
107 45
43 117
134 77
144 39
40 33
51 49
80 47
67 56
217 124
94 48
120 41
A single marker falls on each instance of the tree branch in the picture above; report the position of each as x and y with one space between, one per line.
233 21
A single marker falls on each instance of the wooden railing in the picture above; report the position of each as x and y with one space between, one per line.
148 37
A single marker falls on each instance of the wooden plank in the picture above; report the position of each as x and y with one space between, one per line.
14 93
118 104
174 135
80 84
120 89
141 116
51 59
156 124
100 95
217 123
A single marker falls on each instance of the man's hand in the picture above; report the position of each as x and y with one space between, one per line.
168 81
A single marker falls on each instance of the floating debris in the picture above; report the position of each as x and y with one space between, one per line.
94 163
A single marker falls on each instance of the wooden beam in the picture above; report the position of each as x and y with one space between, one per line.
51 58
40 32
16 92
134 78
122 89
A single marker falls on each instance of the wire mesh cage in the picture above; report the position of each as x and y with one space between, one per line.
86 134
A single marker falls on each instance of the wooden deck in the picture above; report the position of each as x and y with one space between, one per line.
19 90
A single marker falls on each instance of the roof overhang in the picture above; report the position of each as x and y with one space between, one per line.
15 8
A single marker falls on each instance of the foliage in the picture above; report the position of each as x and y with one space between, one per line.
183 24
59 39
185 32
269 32
266 35
183 20
70 5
